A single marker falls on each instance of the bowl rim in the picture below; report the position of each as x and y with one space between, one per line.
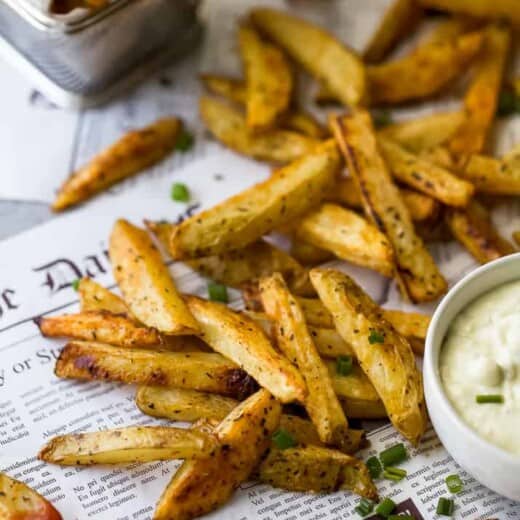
431 356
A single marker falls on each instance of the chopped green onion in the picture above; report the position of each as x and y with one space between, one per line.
180 192
217 292
401 517
382 118
393 455
445 506
491 398
344 365
75 284
184 141
454 484
395 474
283 439
385 507
364 507
374 467
376 337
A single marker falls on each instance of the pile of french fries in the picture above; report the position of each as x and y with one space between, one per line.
366 195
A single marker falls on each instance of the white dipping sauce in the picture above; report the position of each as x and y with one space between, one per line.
481 356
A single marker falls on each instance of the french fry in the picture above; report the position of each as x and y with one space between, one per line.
19 502
480 100
146 283
324 57
349 236
304 123
418 276
424 176
244 218
269 81
228 125
423 73
408 324
229 88
202 371
473 228
307 254
127 445
384 355
201 486
241 340
134 152
441 156
94 297
316 313
449 28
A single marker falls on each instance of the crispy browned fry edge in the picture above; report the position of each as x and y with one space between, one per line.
418 276
95 297
390 363
203 371
134 152
200 486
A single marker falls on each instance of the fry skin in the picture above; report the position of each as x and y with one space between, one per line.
146 283
94 297
134 152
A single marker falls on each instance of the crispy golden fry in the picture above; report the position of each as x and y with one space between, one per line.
349 236
440 156
228 125
229 88
424 176
101 326
127 445
134 152
203 371
146 283
200 486
516 237
316 313
240 339
94 297
244 218
418 276
269 81
451 27
473 228
480 100
408 324
19 502
337 67
363 409
307 254
424 73
294 340
304 123
398 21
384 355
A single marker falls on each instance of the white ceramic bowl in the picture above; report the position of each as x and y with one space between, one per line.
494 467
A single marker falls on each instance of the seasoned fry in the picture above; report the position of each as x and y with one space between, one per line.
440 156
269 80
480 100
101 326
294 340
244 218
423 73
408 324
337 67
200 486
228 125
384 355
146 283
316 313
349 236
424 176
418 276
240 339
304 123
196 370
19 502
94 297
308 254
229 88
127 445
473 228
134 152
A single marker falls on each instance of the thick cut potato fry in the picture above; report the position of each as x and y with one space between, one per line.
480 100
316 313
201 486
349 236
473 228
295 341
229 88
244 218
384 355
94 297
203 371
418 276
127 445
424 176
101 326
327 59
19 502
269 81
146 283
441 156
423 73
304 123
307 254
408 324
228 125
134 152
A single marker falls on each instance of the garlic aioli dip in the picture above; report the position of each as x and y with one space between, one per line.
481 356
